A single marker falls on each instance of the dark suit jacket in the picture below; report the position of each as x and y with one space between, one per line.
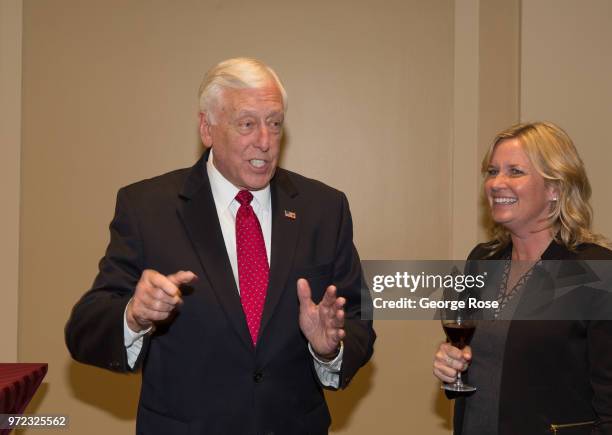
558 371
201 373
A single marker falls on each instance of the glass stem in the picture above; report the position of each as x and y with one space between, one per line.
458 381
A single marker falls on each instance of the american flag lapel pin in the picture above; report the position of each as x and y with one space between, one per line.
290 214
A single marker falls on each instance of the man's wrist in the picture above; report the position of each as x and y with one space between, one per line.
132 323
330 356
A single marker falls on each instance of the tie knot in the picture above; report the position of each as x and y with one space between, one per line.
244 197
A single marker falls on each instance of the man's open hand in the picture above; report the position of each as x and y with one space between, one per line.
322 324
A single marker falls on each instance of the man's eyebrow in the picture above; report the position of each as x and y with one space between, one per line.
245 112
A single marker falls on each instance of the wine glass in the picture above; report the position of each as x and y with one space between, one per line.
459 327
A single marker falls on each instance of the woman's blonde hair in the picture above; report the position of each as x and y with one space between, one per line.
553 154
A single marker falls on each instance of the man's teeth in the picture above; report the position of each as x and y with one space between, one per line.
257 163
504 200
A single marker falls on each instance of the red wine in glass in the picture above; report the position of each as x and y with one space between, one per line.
459 332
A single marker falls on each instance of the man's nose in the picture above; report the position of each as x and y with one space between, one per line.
263 140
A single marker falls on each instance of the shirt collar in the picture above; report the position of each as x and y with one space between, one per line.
224 192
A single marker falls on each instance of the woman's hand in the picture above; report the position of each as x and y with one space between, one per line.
449 360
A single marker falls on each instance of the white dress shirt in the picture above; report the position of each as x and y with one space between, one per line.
224 194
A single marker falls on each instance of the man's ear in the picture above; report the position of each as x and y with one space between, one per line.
205 130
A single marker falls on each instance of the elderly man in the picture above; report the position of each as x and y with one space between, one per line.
234 284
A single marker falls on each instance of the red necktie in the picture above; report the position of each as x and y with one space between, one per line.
253 268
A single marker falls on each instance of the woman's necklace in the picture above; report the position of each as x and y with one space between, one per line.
513 280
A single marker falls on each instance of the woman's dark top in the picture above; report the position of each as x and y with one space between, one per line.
533 376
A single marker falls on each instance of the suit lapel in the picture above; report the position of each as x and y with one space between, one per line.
285 230
560 272
199 216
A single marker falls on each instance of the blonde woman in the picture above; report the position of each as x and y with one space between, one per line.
534 377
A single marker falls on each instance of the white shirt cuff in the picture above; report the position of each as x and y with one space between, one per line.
328 371
132 340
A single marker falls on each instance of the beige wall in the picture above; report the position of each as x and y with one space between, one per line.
391 102
110 98
10 143
486 84
566 78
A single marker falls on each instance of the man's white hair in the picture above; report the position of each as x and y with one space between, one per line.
235 73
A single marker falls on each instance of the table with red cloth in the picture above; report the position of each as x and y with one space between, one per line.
18 383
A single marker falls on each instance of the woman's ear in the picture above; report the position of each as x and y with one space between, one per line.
553 192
